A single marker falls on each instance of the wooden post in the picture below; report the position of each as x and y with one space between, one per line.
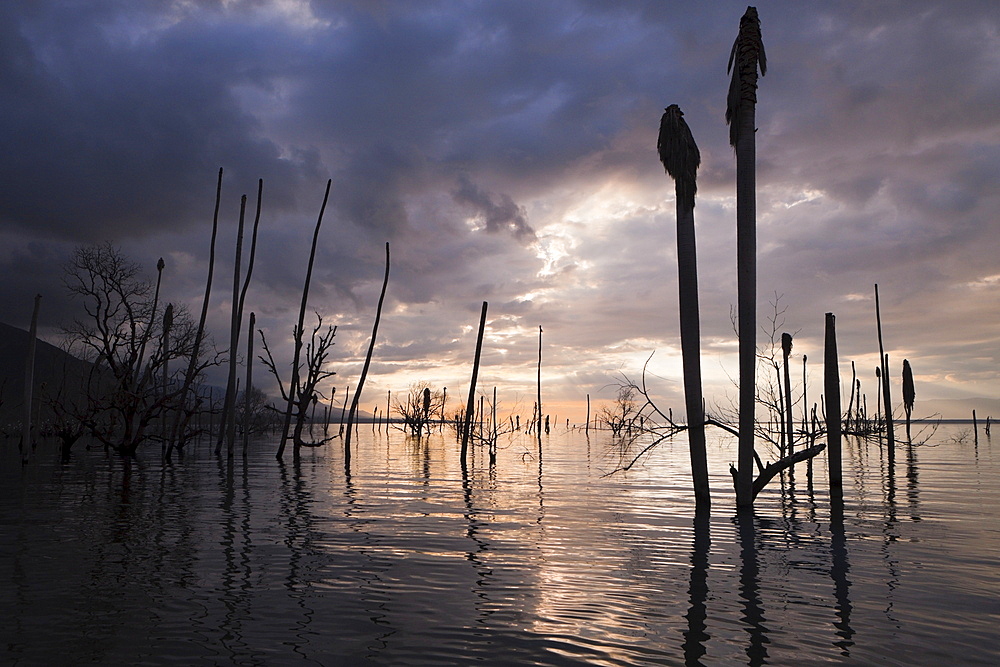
831 387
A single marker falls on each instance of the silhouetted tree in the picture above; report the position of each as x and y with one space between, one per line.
470 406
890 430
681 158
118 303
418 407
303 388
831 388
744 59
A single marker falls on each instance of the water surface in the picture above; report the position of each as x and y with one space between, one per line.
542 559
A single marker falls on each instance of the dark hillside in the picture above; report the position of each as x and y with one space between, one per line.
55 372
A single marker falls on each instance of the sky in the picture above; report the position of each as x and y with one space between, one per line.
507 153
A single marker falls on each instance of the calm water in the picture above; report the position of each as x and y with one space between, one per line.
407 561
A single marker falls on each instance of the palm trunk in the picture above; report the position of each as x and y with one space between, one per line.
690 326
747 55
746 271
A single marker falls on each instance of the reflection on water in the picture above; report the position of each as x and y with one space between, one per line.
840 567
696 635
753 611
407 557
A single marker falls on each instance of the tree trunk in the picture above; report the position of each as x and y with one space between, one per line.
539 385
831 388
690 327
368 362
746 268
789 420
886 391
246 391
199 335
293 385
470 404
227 430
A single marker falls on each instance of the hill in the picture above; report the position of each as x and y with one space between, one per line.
55 371
53 367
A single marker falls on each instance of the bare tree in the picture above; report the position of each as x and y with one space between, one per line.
623 416
304 385
120 318
418 408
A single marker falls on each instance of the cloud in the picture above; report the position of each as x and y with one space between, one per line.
878 149
497 215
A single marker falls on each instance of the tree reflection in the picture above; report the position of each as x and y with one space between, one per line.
370 574
697 634
753 609
839 570
475 554
912 496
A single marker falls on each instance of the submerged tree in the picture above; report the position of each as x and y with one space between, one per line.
121 318
745 58
623 416
418 408
681 158
303 388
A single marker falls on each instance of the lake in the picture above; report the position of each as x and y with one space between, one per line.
545 560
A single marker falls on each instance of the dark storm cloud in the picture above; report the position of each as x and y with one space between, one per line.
877 154
498 213
104 136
